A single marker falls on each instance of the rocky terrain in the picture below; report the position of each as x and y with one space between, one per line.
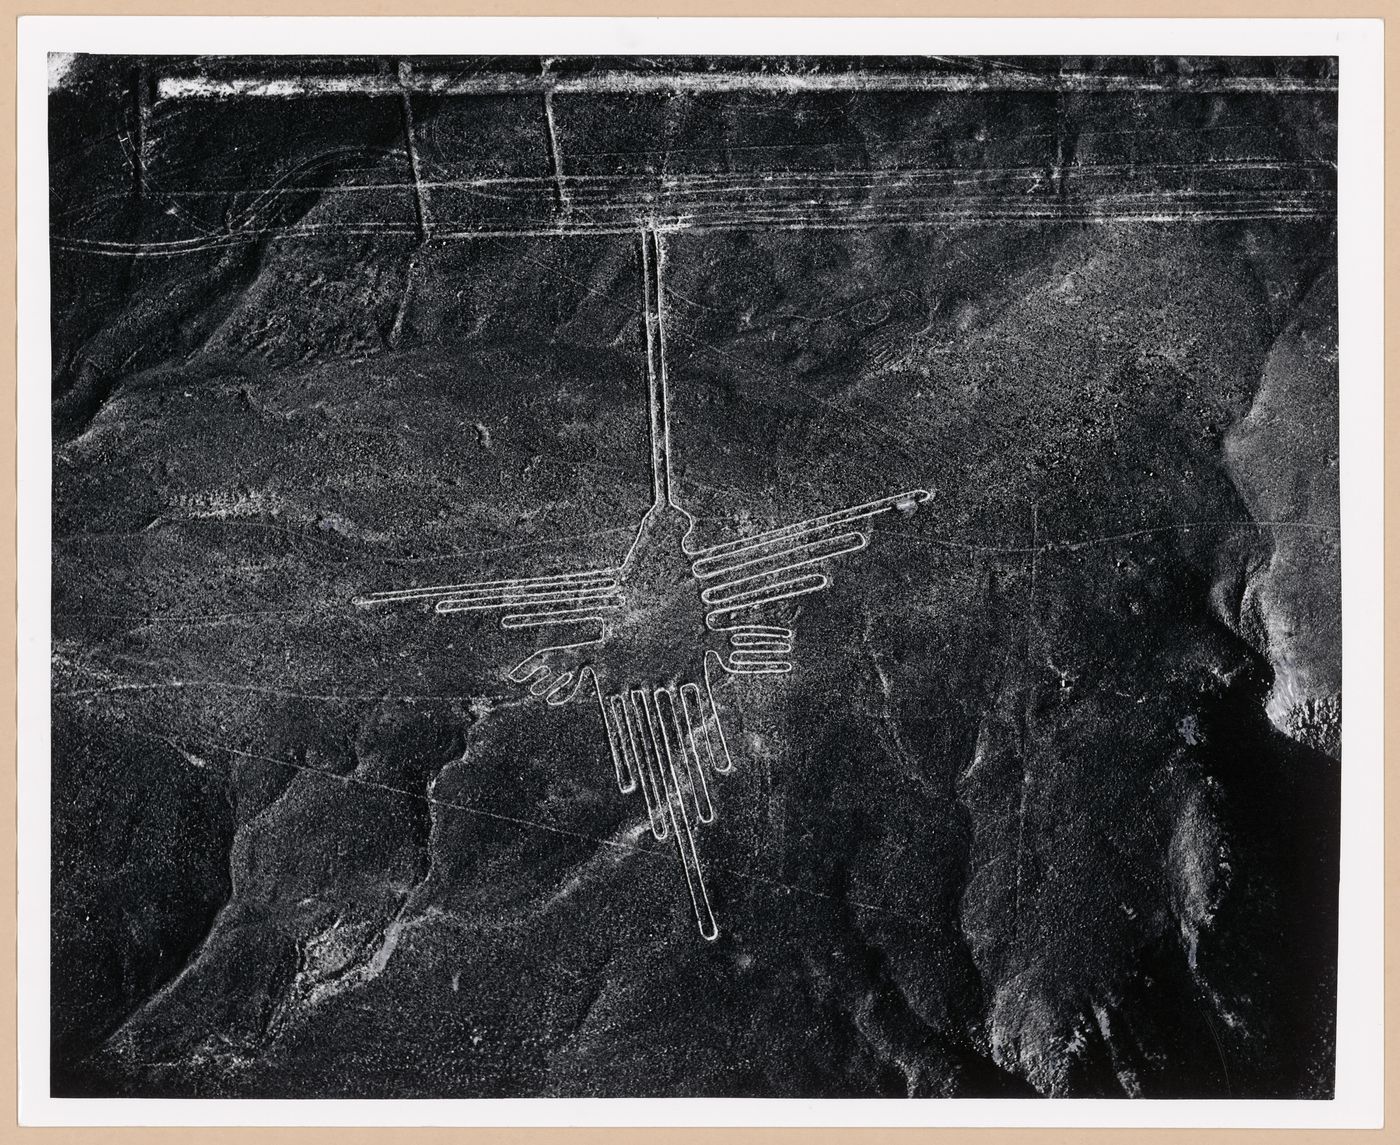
1049 804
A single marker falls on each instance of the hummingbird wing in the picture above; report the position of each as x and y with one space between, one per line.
555 673
777 565
527 602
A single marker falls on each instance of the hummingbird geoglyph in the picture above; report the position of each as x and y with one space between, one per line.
647 639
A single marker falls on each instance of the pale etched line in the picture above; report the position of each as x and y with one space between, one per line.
715 615
909 498
762 630
563 690
605 81
543 600
556 155
680 824
132 153
265 196
934 209
581 588
757 637
705 568
623 712
742 640
757 652
290 693
641 750
754 656
889 206
660 302
1072 213
875 215
798 178
942 218
486 230
567 616
436 801
538 680
767 668
1026 778
639 189
402 309
420 196
1092 542
887 195
210 618
700 182
512 547
626 776
1312 206
579 576
534 667
881 186
696 728
589 579
657 405
720 352
713 594
782 590
728 762
694 774
1028 218
142 96
614 844
740 634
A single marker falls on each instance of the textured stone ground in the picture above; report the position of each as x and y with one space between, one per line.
1049 804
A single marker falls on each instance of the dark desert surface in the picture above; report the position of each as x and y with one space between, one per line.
1048 804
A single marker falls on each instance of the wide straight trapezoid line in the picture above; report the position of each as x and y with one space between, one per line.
658 413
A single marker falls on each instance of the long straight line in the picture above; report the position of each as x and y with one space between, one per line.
612 81
658 416
420 195
613 843
934 218
556 155
664 386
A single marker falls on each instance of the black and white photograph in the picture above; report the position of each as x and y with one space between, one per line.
694 575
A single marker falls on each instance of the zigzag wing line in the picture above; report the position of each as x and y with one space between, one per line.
855 513
561 616
763 594
522 600
720 593
592 578
811 551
